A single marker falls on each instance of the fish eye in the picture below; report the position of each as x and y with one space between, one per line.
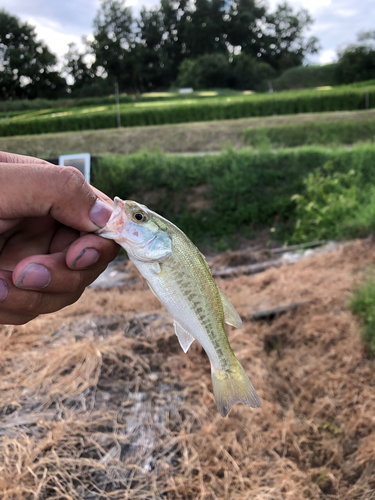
140 216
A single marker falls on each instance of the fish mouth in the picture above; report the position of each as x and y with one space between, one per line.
116 222
144 243
131 247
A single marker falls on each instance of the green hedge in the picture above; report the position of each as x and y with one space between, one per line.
189 110
36 104
317 132
245 189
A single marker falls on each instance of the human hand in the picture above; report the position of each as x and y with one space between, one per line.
46 259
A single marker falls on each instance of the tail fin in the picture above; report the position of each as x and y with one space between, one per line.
231 387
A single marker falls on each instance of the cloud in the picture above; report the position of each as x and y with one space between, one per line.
59 22
328 56
69 16
56 40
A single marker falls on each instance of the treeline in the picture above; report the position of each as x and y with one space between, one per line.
201 44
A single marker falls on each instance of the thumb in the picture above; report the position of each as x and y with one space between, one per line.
39 189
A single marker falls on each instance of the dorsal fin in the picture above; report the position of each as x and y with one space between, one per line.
231 316
204 262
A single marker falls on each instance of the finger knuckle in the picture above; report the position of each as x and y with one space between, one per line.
33 303
76 282
72 179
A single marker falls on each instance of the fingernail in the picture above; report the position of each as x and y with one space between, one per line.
34 276
3 290
86 258
100 213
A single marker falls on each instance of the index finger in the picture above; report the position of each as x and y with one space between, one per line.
6 157
39 189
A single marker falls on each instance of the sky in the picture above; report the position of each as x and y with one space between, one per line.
60 22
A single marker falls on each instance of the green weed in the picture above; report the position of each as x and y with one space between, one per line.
247 190
362 304
335 204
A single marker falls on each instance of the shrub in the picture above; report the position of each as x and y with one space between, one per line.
305 77
248 73
329 199
243 189
362 304
335 204
204 72
356 63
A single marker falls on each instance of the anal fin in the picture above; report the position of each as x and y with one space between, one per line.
231 316
183 336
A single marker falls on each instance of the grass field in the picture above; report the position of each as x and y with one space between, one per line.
182 138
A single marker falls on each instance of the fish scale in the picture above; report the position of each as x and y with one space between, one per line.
180 278
211 318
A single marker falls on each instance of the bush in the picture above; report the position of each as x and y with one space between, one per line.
356 63
248 73
306 77
204 72
335 204
362 304
243 189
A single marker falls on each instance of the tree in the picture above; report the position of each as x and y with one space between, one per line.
76 68
249 73
244 25
205 33
283 43
175 17
27 65
206 71
357 62
113 39
152 65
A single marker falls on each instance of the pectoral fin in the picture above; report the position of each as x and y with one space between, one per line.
183 336
231 316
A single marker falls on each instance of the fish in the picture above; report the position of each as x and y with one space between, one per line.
179 276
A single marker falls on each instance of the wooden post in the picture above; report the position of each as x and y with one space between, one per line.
117 105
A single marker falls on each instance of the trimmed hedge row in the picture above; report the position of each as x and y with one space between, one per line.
317 132
217 108
243 189
35 104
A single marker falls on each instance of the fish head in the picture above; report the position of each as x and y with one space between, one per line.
142 232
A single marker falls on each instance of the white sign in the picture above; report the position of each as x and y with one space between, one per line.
80 161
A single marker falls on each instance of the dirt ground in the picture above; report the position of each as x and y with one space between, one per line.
99 401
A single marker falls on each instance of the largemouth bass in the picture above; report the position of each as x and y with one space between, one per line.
179 276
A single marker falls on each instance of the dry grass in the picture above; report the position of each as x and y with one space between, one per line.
182 138
99 402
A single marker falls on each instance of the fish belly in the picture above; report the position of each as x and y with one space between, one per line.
191 309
